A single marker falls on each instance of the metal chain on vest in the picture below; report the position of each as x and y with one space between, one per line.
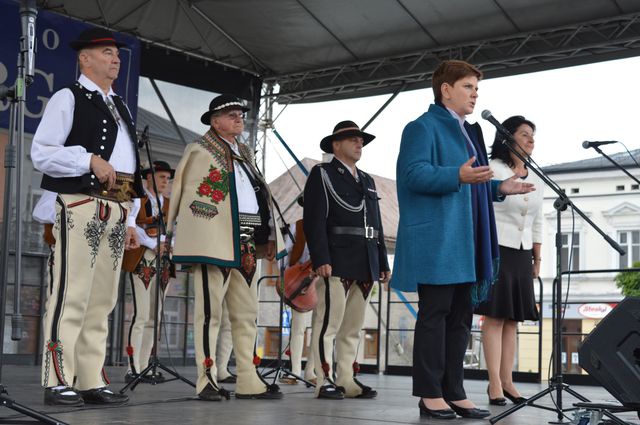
344 204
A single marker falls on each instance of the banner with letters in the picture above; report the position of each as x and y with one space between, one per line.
56 64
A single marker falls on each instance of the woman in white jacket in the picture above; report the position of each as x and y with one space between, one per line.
519 227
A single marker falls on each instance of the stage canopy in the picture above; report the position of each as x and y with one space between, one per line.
316 50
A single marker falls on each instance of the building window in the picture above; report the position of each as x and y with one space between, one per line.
635 186
620 188
630 241
575 190
574 243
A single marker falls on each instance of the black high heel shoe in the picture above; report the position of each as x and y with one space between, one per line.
436 414
514 399
498 401
470 413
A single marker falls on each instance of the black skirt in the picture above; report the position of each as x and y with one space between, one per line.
511 296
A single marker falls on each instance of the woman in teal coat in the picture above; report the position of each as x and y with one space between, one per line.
446 246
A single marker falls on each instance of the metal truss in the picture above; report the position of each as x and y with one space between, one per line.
581 43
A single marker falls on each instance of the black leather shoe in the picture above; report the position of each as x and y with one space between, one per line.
436 414
210 394
498 401
103 396
228 380
63 396
130 376
272 393
331 392
367 392
472 413
514 399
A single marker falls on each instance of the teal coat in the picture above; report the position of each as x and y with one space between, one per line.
435 233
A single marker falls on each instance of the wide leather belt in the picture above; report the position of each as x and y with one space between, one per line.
248 224
122 190
365 232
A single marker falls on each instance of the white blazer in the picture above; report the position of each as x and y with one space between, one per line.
518 217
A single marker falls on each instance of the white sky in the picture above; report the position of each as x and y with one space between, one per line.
568 106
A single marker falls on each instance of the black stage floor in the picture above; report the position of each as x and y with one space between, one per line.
174 403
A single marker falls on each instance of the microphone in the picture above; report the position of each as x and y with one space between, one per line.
486 114
144 137
588 145
28 13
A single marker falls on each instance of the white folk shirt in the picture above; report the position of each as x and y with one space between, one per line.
518 217
53 158
288 244
247 201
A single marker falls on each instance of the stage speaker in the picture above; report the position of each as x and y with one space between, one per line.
611 352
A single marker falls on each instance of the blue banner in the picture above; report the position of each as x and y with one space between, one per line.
56 62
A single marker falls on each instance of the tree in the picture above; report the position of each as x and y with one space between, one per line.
629 282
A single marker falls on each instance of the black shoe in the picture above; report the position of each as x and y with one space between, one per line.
130 376
228 380
498 401
514 399
472 413
272 393
103 396
210 394
56 397
436 414
157 378
331 392
367 392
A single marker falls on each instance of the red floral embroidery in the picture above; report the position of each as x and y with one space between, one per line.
215 185
129 350
356 367
214 175
256 360
288 352
326 368
217 196
204 189
208 362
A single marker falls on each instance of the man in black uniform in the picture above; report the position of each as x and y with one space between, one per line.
343 227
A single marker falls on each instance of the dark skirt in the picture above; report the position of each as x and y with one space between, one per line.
511 296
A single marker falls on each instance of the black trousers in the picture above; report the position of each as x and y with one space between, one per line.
440 340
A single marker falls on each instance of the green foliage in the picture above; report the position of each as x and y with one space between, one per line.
629 282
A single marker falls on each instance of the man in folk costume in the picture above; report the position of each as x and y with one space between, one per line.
225 222
343 227
85 147
140 263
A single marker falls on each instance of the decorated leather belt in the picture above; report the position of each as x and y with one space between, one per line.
366 232
248 224
122 190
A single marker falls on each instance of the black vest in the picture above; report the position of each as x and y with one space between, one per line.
96 130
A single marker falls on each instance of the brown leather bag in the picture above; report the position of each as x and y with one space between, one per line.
132 258
299 287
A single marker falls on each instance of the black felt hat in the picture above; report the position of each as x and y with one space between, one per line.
159 166
95 37
342 130
221 103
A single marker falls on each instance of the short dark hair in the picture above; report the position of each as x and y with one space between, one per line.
498 149
449 72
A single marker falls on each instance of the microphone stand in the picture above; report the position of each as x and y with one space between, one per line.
556 383
597 149
12 160
154 361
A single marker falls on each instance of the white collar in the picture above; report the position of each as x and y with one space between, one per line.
351 169
455 115
91 86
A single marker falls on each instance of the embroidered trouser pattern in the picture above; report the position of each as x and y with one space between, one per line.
84 289
143 292
331 324
212 287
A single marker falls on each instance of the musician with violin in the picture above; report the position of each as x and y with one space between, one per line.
343 227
